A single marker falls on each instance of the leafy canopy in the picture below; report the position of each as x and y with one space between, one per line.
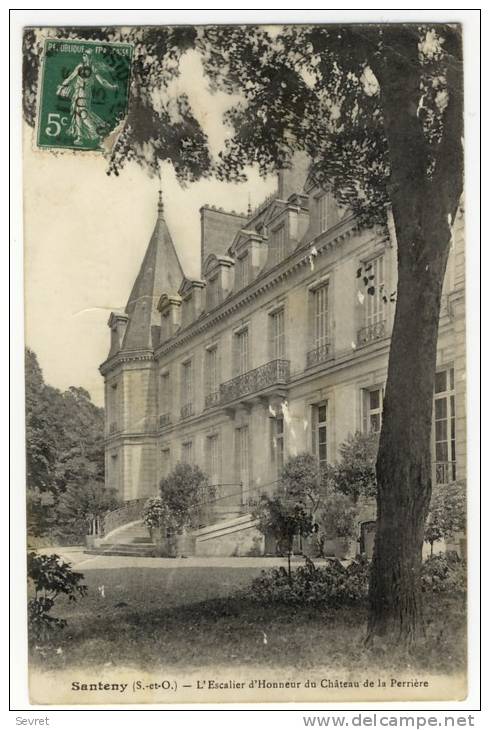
329 90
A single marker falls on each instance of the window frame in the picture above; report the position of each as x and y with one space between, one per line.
322 211
278 438
374 311
317 425
239 357
368 412
187 384
187 449
278 243
213 440
277 336
445 468
320 318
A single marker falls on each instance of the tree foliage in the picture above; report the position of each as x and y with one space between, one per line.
50 576
284 517
158 127
337 517
301 480
316 88
354 474
80 506
447 514
64 448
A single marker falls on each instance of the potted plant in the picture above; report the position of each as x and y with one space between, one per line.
183 493
153 516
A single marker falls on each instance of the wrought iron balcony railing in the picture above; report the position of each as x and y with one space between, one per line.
275 372
187 410
163 419
318 355
211 399
371 333
444 472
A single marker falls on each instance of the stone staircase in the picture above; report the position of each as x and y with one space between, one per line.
132 539
232 535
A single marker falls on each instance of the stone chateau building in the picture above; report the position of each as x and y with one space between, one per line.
276 349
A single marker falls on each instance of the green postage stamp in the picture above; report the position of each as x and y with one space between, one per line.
84 93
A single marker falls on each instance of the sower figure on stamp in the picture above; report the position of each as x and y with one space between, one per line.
85 123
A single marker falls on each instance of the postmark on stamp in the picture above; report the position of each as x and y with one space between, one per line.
84 93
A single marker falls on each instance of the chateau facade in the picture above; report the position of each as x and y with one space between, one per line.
278 348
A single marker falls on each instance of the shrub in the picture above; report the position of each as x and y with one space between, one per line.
300 480
51 576
332 585
447 513
444 573
184 492
153 513
81 509
355 473
338 517
284 518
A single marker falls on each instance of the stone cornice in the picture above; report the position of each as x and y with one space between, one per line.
123 357
266 280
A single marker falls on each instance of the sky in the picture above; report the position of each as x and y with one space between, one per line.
85 235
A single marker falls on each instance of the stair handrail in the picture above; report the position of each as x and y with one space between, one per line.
130 511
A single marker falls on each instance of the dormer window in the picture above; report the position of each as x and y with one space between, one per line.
187 310
212 292
278 244
169 307
242 271
322 206
191 292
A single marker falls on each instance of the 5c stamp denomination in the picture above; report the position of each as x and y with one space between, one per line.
83 94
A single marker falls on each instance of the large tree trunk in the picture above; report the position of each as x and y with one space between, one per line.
404 458
424 203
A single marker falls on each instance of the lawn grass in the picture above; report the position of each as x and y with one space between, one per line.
188 617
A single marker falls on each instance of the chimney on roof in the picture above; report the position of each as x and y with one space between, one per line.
292 179
218 229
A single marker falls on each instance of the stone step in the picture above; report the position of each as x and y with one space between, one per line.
131 550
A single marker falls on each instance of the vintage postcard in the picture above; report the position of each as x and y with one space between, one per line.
245 363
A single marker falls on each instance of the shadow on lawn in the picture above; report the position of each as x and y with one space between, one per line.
236 631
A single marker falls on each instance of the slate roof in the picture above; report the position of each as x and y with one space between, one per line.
160 272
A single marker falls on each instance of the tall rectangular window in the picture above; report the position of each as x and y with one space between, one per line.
444 427
212 293
187 390
240 352
213 459
166 465
320 316
320 432
278 244
212 370
242 271
114 472
372 409
277 428
114 408
375 312
187 456
323 212
277 335
242 459
165 393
